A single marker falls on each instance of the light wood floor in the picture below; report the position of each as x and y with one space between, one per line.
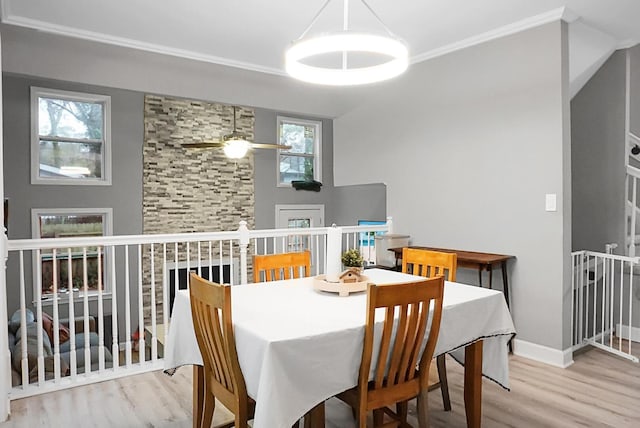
598 390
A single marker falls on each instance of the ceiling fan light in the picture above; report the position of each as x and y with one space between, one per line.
236 149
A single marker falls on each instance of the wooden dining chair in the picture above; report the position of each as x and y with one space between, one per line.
396 377
430 264
211 312
281 266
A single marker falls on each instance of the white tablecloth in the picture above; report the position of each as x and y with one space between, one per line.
297 346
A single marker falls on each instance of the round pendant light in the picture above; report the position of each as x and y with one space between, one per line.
391 48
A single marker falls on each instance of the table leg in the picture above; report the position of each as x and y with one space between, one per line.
198 395
490 269
505 286
480 275
505 283
315 417
473 383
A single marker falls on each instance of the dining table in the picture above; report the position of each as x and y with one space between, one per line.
298 346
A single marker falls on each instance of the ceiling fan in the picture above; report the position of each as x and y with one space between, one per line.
236 144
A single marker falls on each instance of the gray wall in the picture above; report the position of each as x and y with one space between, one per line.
468 145
124 196
598 158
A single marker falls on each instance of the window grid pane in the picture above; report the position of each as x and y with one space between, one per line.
295 168
70 138
299 162
72 119
62 159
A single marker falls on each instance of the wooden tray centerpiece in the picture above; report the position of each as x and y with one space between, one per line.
351 281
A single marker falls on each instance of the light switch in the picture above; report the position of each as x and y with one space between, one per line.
550 202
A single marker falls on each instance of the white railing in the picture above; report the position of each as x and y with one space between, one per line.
602 302
114 294
632 209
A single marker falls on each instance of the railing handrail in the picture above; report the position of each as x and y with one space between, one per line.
607 256
92 241
86 241
632 170
365 228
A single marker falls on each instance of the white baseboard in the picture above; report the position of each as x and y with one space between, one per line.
543 354
623 331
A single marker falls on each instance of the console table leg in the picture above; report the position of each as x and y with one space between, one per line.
490 269
505 283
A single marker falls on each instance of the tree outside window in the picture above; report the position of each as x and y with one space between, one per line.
70 137
302 161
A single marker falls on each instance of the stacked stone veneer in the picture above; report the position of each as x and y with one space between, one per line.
191 190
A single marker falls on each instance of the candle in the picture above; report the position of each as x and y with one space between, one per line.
334 245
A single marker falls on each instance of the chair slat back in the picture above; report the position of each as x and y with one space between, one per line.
211 313
281 266
429 263
408 309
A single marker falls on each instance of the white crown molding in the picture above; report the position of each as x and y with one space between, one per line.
516 27
568 15
562 13
626 44
543 354
130 43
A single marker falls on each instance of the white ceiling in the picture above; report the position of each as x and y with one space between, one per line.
253 34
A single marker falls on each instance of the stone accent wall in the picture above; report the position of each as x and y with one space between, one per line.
192 190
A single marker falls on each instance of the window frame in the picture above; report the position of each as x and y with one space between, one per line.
107 227
317 146
105 100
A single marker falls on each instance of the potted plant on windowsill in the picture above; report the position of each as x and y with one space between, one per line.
352 260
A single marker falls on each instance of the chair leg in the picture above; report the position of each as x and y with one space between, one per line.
362 419
402 409
209 409
444 385
378 417
198 395
423 408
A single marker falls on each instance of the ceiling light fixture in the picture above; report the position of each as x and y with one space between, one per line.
236 148
345 42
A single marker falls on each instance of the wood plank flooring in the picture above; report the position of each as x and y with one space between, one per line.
598 390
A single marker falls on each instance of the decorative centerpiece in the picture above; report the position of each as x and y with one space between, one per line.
352 260
351 280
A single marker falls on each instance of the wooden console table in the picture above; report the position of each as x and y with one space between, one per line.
473 260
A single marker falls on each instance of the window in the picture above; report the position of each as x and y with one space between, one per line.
303 160
70 138
67 223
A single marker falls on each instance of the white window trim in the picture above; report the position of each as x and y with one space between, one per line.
37 92
108 231
317 158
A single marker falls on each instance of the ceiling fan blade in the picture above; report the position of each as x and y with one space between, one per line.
203 145
270 146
